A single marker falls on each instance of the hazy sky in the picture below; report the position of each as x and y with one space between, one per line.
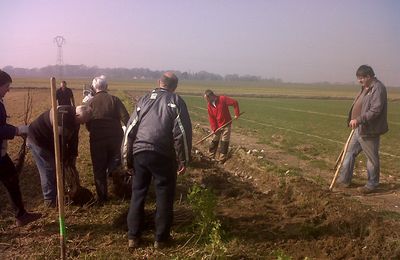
295 40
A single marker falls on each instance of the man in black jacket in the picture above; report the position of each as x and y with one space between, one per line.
8 173
157 144
64 95
41 143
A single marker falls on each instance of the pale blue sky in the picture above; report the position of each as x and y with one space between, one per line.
295 40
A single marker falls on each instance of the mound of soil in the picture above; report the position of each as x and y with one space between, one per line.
268 212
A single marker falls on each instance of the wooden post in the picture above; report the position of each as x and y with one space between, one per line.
341 156
60 181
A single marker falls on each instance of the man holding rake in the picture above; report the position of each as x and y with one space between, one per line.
368 118
219 117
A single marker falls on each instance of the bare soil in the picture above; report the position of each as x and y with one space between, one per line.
271 204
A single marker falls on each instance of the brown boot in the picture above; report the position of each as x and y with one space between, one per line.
223 151
27 218
222 158
212 149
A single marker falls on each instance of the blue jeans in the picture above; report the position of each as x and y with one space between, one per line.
45 163
370 146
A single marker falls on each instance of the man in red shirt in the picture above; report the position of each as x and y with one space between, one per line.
219 115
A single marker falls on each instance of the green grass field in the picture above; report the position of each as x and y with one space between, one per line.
250 89
313 129
308 120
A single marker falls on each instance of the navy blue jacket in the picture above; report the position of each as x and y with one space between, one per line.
6 131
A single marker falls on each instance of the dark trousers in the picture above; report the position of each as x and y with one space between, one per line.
105 155
163 170
9 177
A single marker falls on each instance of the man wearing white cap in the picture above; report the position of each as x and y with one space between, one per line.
105 134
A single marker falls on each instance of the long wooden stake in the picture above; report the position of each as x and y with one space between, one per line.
338 160
342 156
219 128
60 181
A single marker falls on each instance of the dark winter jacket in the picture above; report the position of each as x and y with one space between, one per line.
41 132
160 123
108 112
6 131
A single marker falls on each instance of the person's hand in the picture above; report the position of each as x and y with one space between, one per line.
181 170
22 130
130 172
353 124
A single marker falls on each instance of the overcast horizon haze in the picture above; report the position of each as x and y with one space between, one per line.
301 41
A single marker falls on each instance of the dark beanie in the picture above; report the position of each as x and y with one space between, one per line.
4 78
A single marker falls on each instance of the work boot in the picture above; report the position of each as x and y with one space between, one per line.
223 150
27 218
162 244
50 204
134 243
222 158
342 185
365 190
212 149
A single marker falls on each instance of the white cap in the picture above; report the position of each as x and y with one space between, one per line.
100 83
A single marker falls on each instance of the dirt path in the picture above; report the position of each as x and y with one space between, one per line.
387 196
270 199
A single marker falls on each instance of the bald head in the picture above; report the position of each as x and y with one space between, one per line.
169 81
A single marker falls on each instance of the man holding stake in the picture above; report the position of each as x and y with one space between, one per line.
368 118
41 143
219 115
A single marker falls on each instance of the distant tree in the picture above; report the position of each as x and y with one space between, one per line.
82 71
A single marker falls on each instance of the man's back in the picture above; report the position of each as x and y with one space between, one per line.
108 112
161 116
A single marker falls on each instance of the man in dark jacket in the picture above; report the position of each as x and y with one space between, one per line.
368 118
8 173
64 95
157 144
105 135
41 143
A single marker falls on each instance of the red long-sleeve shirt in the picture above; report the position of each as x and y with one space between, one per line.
219 114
